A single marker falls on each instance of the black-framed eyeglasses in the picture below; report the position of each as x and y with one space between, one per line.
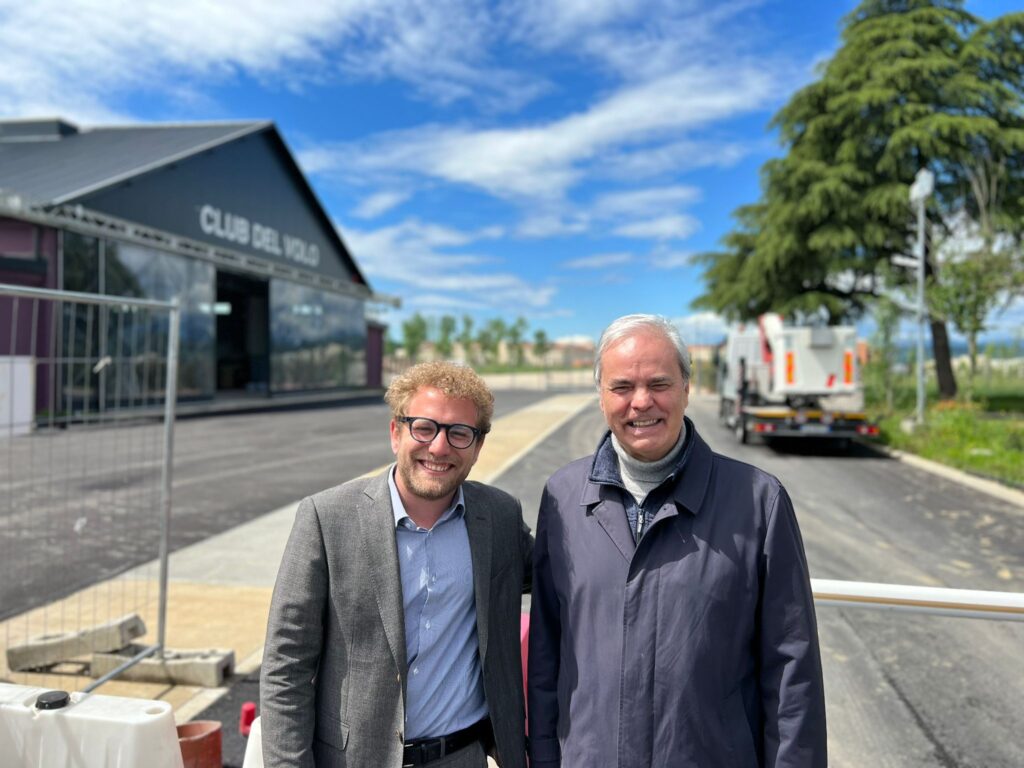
424 430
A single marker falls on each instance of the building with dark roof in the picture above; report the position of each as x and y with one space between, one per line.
217 215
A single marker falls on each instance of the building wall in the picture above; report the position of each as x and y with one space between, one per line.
242 195
28 257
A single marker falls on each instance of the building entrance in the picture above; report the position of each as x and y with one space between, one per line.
243 333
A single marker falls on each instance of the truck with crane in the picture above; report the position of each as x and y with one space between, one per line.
779 381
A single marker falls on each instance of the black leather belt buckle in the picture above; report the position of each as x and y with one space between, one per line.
427 750
420 752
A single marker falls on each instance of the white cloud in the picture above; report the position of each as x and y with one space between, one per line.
413 253
644 202
442 302
441 47
598 261
674 157
544 160
664 258
81 58
672 227
543 225
702 328
379 203
618 33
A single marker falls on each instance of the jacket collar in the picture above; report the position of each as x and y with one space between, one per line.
690 476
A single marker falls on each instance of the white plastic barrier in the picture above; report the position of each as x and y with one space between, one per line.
254 747
88 731
17 395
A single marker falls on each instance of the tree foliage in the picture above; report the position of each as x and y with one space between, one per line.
490 337
541 344
514 335
916 83
445 336
466 337
414 333
970 289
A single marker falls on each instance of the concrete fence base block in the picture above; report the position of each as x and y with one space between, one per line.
46 650
207 667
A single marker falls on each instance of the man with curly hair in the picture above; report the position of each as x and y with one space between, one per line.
393 637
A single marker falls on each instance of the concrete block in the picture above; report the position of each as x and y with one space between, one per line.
44 650
206 667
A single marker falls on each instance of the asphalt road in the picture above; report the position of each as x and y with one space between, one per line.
902 689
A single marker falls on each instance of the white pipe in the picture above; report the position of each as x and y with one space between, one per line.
940 601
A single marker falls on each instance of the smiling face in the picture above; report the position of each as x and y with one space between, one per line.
643 394
431 472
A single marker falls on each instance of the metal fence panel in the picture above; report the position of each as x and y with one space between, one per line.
87 396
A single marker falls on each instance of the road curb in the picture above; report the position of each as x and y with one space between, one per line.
991 487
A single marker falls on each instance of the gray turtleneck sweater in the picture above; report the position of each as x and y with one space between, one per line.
642 477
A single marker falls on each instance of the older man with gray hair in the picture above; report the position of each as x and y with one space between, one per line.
672 621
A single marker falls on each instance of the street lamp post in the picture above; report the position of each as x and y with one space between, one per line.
920 190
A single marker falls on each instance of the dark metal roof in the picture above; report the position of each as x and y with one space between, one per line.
47 164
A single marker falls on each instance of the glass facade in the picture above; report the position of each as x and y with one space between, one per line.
134 340
317 339
132 270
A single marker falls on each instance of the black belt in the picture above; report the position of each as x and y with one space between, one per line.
423 751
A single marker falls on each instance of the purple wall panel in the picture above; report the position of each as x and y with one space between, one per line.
17 238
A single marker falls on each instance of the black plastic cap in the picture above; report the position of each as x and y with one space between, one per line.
53 700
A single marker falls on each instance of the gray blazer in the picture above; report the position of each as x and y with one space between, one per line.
332 686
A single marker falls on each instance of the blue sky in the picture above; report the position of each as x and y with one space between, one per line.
556 160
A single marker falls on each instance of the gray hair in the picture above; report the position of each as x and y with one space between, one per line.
629 325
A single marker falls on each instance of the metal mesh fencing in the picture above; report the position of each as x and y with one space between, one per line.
87 395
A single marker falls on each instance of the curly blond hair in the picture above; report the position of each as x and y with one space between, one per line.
456 381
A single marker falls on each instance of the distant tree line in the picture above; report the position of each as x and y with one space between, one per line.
481 346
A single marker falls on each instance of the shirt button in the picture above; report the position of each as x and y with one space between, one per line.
428 625
415 670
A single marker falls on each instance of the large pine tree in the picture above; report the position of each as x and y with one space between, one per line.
916 83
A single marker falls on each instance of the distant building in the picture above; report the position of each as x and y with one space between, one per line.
218 215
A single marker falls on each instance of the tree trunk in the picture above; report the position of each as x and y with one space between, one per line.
940 344
943 362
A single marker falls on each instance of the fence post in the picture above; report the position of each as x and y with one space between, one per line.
170 403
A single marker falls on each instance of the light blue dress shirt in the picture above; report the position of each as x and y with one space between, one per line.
445 681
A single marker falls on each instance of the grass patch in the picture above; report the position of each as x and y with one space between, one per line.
981 432
961 435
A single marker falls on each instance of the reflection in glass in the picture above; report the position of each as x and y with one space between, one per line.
80 327
115 356
133 270
318 339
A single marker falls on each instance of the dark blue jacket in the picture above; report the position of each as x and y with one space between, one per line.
695 647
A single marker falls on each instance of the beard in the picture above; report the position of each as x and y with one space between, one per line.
426 487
